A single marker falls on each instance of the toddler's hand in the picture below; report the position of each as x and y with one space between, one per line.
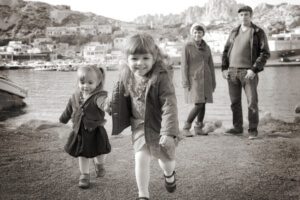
167 141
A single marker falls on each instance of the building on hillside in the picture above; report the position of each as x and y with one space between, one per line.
60 31
95 51
119 42
16 48
106 29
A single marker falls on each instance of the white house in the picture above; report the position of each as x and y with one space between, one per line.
119 42
95 51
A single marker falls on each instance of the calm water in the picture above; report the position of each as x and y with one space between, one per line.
279 92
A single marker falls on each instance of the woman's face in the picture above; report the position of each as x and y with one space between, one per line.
140 64
197 35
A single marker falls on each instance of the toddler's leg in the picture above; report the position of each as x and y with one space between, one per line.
99 165
142 171
84 179
84 165
100 159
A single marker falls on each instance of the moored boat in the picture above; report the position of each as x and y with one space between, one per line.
11 95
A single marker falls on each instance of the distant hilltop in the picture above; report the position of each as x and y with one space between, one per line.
27 19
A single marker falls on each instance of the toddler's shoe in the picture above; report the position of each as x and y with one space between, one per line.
100 170
84 181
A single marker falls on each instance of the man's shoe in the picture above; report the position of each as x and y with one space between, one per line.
252 134
234 131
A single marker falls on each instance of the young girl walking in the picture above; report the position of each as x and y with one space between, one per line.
88 138
144 99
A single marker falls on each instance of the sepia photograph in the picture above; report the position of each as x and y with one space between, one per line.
159 100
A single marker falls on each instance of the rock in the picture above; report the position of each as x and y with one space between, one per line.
297 109
44 126
265 118
297 119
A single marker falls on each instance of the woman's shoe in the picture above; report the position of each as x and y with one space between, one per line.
171 187
186 129
84 181
142 198
198 129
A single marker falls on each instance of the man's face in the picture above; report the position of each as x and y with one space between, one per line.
245 17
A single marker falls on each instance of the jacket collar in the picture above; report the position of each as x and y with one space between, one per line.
193 43
77 96
253 26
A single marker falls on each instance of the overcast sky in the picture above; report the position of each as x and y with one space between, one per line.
128 10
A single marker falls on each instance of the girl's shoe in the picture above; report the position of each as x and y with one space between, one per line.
100 170
171 187
142 198
84 181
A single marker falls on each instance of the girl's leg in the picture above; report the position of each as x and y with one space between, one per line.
142 171
168 166
84 179
100 159
99 165
84 165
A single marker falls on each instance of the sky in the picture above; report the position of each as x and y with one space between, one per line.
128 10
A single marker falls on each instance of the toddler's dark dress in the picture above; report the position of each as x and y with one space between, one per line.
88 137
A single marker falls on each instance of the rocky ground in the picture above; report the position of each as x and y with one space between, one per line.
33 165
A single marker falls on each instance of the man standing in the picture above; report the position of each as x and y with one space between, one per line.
244 56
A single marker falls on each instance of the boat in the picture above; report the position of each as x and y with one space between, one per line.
11 95
10 87
284 45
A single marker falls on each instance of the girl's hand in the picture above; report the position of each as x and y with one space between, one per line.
167 141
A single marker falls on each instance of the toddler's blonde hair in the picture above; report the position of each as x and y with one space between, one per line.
99 71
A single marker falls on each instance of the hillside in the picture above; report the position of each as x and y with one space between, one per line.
20 19
25 19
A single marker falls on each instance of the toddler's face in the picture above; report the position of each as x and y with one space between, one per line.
87 82
140 64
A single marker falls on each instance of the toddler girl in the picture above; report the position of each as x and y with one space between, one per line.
88 138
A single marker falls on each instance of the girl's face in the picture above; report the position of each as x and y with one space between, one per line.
197 35
87 81
140 64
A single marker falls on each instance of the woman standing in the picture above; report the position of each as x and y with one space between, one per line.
198 78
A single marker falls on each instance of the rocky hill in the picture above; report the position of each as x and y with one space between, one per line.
218 12
23 19
26 19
